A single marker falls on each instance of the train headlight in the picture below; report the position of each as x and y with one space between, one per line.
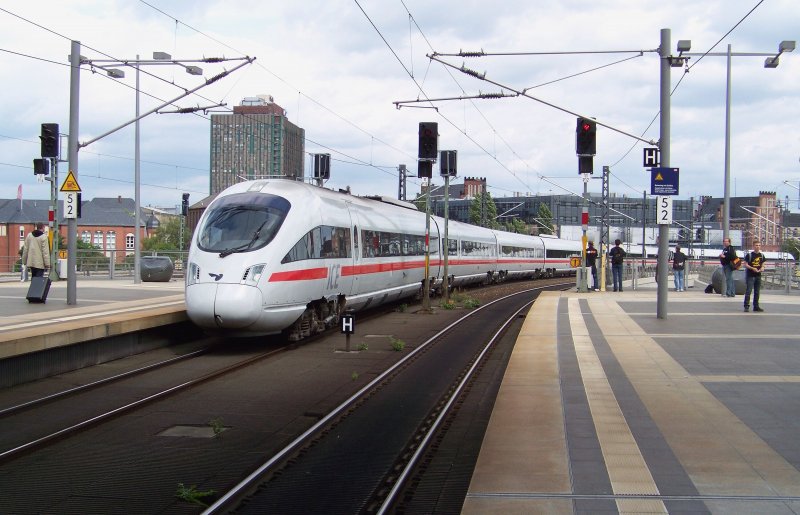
193 274
253 274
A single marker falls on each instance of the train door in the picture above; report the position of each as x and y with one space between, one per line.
357 250
436 264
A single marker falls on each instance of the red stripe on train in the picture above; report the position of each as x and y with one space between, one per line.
299 275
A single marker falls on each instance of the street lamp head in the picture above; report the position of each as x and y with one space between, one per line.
677 62
162 56
684 45
786 46
771 62
194 70
115 73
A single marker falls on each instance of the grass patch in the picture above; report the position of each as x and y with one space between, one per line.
397 344
450 304
192 495
471 303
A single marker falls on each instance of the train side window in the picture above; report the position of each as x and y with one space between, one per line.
306 248
355 238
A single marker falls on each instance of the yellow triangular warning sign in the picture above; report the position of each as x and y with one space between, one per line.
70 183
658 178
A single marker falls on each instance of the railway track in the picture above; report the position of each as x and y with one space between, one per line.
83 417
360 456
67 412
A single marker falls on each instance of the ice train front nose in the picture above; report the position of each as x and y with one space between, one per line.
223 306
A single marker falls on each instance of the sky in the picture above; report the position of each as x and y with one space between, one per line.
339 67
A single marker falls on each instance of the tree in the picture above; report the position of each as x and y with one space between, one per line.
483 204
516 225
544 219
792 246
168 237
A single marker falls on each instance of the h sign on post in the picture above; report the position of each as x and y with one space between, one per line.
651 157
348 324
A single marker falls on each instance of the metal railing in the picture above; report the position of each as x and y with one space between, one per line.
95 264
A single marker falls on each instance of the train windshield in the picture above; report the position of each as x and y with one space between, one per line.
242 222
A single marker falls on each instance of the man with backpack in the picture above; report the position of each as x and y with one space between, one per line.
678 271
728 261
591 261
754 265
617 256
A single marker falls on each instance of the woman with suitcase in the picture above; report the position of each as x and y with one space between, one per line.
36 256
36 251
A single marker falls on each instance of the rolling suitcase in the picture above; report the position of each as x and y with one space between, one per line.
38 290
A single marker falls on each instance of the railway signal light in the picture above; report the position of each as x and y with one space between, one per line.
41 166
425 169
322 166
585 164
586 137
447 163
428 140
185 204
49 139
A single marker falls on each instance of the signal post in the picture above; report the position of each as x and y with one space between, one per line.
585 148
427 152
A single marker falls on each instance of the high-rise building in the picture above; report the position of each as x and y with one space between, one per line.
256 141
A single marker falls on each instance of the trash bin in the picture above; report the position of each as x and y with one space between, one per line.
739 281
155 268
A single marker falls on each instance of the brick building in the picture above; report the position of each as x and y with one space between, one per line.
106 223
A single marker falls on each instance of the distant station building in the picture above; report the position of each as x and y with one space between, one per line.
256 141
763 217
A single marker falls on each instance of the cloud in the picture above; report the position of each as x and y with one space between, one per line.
332 71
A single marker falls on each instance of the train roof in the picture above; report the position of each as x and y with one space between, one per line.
392 201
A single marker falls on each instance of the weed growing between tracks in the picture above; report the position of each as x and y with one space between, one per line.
193 495
397 344
216 426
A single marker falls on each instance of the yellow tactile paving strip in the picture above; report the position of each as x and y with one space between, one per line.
625 464
721 455
526 431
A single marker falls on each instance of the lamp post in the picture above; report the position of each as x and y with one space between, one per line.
76 61
159 58
771 61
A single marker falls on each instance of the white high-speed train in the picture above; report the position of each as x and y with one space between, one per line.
275 255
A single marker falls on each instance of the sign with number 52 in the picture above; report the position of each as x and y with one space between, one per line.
71 204
664 210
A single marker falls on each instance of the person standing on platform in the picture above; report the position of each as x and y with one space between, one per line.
726 260
591 261
36 251
617 256
678 268
754 265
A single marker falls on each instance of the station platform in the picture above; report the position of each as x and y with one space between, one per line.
104 308
605 408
